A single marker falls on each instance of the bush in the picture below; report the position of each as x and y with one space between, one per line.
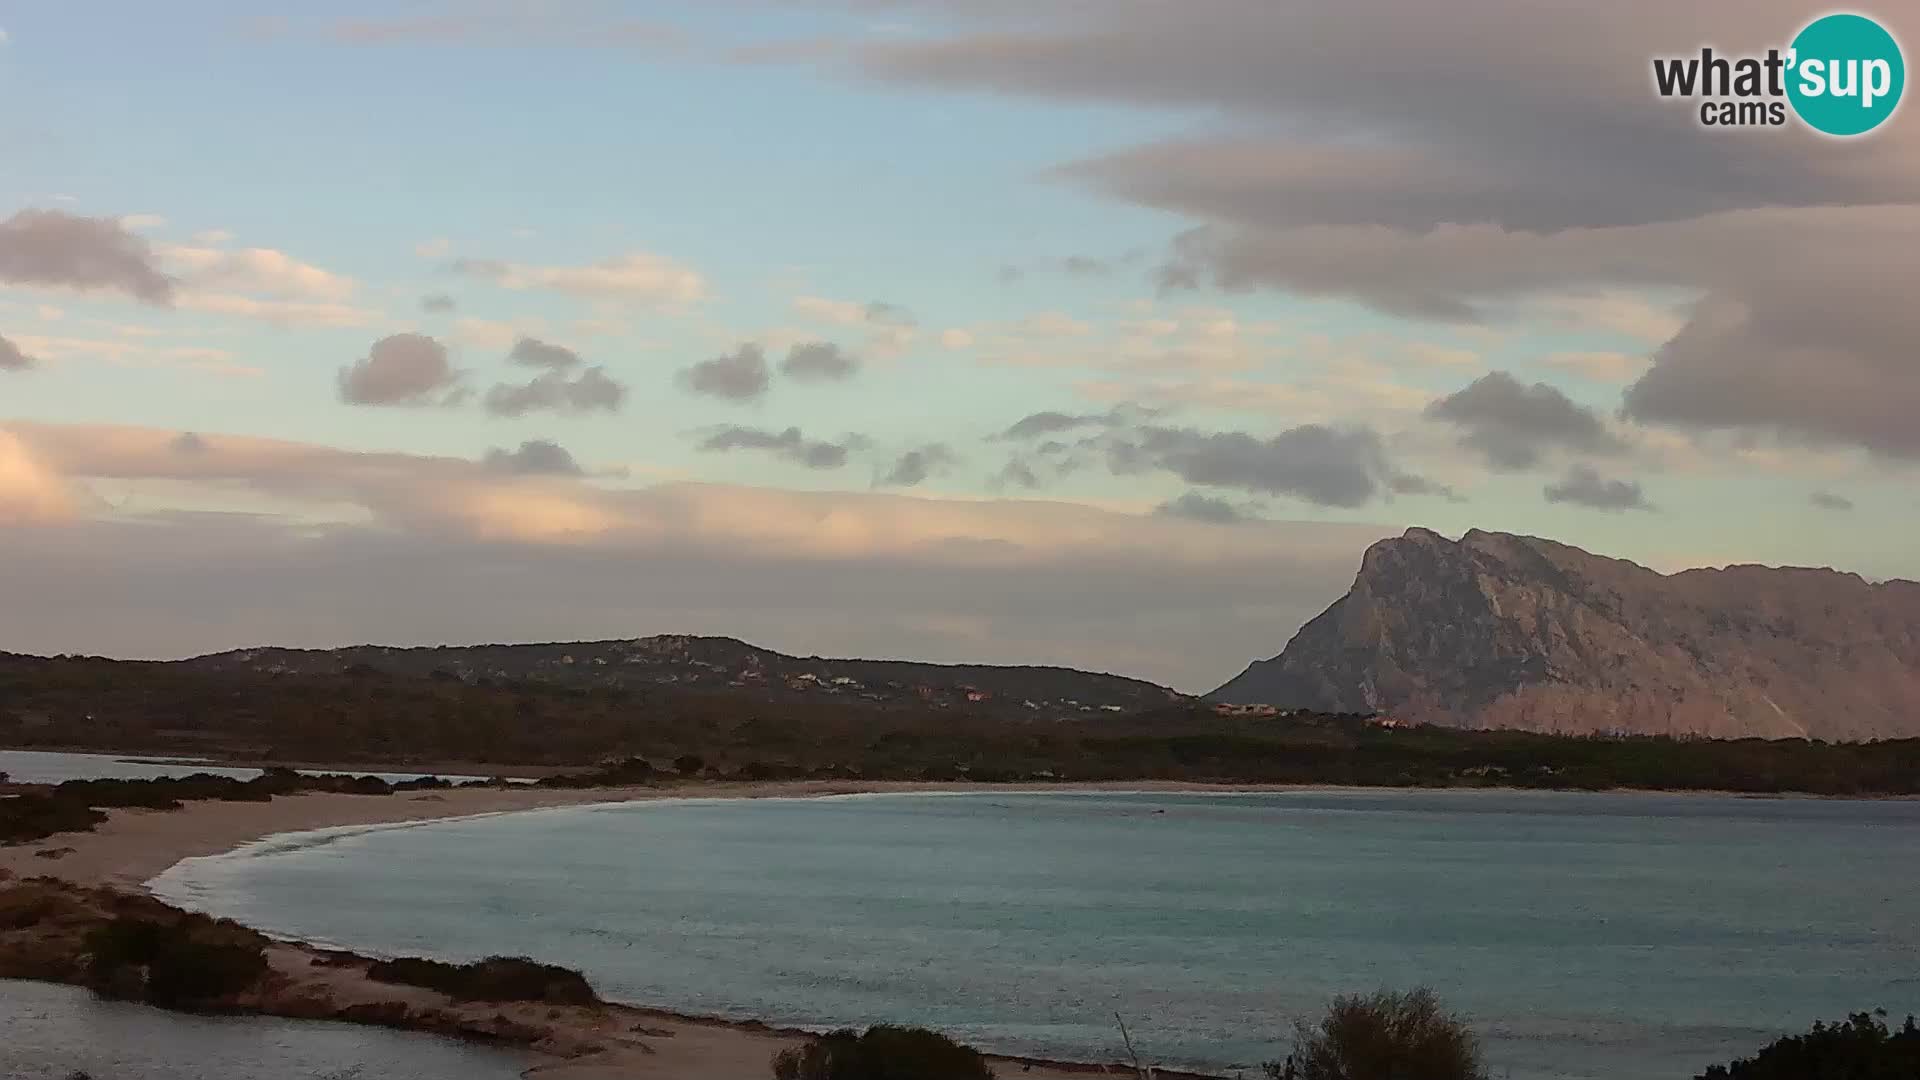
885 1052
689 764
26 818
1383 1036
497 978
182 965
1861 1048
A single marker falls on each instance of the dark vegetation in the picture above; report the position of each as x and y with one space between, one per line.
1383 1036
884 1052
74 806
1860 1048
371 717
188 962
497 978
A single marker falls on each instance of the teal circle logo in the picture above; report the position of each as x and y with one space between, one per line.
1846 76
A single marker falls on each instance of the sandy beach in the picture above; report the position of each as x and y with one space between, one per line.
134 846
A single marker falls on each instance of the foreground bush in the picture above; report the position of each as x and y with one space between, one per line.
497 978
26 818
194 963
1383 1036
885 1052
1860 1049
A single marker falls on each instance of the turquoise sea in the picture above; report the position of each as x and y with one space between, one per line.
1589 936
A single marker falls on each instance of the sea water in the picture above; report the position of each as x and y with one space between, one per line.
1584 935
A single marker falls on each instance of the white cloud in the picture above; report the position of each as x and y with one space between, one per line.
262 271
638 276
279 312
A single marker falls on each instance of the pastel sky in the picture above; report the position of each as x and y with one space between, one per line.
1104 333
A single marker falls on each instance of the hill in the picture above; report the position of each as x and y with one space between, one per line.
719 664
1517 632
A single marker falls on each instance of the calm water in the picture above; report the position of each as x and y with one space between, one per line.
1615 936
50 1032
48 767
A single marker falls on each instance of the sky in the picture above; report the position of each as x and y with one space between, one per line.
1104 333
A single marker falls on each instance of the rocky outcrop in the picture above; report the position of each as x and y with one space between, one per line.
1512 631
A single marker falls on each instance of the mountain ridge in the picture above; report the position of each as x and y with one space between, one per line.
1499 630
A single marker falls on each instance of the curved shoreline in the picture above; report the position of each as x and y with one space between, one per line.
134 848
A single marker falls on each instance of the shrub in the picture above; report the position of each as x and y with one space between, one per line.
497 978
26 818
180 965
689 764
1861 1048
1383 1036
885 1052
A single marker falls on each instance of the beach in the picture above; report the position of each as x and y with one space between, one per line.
134 846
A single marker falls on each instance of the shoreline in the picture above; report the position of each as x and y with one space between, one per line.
135 847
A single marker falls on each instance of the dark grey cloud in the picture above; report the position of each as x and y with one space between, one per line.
188 442
1015 473
1827 500
740 375
1322 465
1513 424
401 369
1052 422
55 248
916 465
12 359
790 445
533 352
1410 484
1494 152
592 390
1448 123
437 303
535 457
817 361
1584 486
1196 506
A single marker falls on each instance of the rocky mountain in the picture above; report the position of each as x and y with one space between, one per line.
722 664
1513 631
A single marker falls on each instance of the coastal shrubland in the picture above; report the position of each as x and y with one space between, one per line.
183 962
669 734
1385 1035
497 978
1858 1048
883 1052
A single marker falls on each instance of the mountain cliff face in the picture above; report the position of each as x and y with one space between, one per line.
1513 631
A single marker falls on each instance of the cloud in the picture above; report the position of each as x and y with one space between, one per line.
1196 506
1321 465
819 361
740 375
12 359
357 546
1015 474
31 490
533 352
789 445
1827 500
535 457
1437 177
279 312
188 442
259 271
57 249
646 278
401 369
1604 367
1513 424
915 466
1583 486
438 303
1053 422
590 391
